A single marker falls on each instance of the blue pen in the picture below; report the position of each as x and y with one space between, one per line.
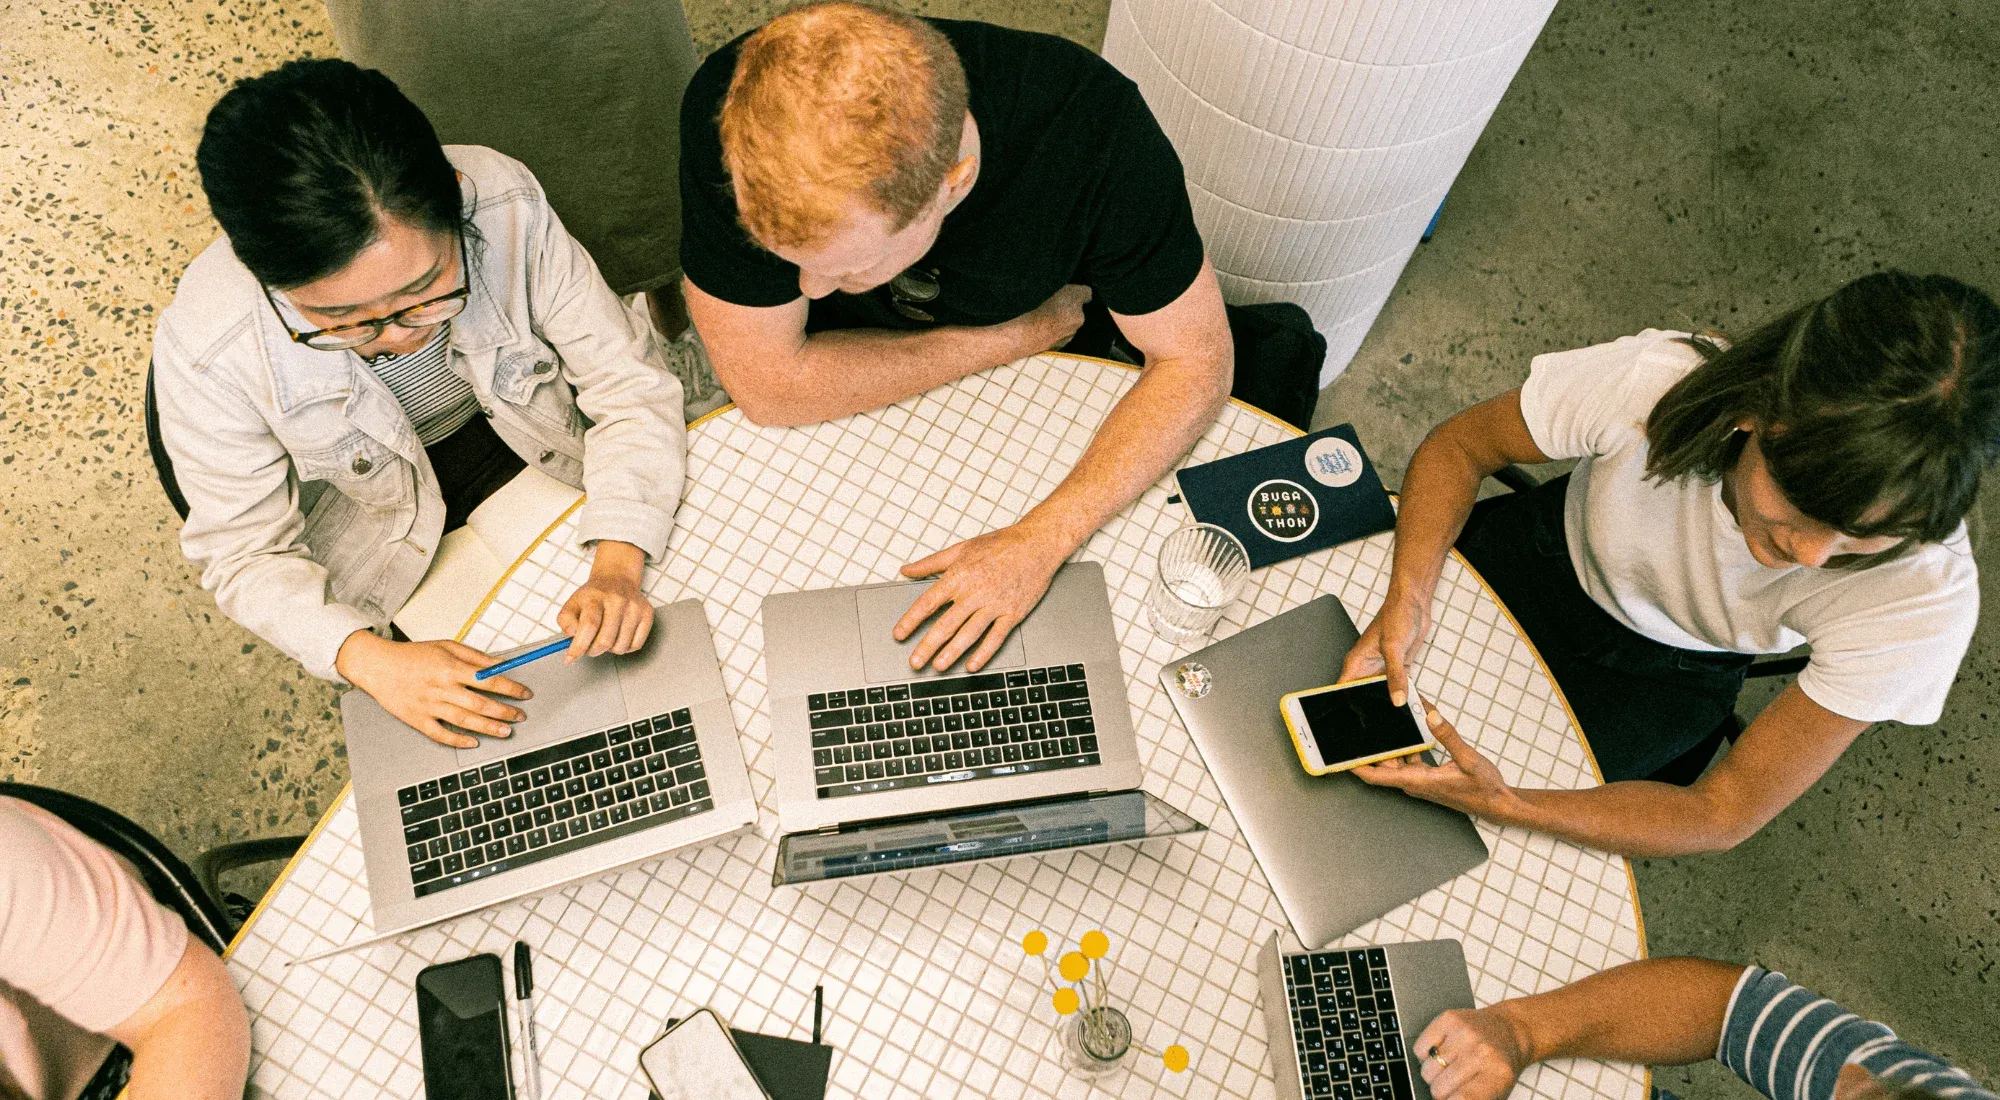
512 663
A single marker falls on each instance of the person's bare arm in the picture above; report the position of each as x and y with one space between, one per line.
191 1039
1786 750
1439 488
779 376
1663 1012
994 580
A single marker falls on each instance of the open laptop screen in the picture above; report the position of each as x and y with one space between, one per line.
990 832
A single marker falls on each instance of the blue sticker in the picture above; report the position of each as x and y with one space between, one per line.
1333 462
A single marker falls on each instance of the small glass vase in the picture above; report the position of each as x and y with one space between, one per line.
1095 1040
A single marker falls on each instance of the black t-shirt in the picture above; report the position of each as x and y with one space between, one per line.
1077 184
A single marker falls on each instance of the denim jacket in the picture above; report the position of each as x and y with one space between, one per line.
313 510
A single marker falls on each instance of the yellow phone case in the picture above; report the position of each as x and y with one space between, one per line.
1298 745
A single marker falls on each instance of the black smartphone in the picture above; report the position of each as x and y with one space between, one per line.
462 1025
1343 726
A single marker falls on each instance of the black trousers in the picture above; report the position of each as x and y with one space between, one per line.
471 464
1649 710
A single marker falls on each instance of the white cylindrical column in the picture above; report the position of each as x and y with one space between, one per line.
1319 136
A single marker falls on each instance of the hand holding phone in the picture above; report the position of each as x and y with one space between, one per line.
1343 726
697 1060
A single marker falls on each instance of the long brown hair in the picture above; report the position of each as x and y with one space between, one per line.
1877 408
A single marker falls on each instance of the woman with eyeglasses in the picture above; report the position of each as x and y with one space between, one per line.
389 332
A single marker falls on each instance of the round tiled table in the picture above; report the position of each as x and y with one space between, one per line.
928 992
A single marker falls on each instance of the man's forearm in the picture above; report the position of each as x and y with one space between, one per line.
1142 437
1653 1012
847 371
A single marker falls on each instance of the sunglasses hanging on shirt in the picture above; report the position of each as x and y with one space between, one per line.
913 289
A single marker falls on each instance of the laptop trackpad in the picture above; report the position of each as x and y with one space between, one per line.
883 658
570 699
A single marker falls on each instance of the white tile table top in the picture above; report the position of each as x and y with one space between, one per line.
928 991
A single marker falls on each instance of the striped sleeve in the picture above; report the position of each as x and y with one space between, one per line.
1790 1044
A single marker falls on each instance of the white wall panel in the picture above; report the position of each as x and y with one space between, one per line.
1293 249
1320 135
1291 92
1346 295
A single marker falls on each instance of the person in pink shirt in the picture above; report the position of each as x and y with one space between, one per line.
88 960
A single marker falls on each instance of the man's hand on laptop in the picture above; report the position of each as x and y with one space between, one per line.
428 684
1468 782
1475 1055
991 583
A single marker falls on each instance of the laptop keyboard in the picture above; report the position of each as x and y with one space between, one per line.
1344 1023
553 800
951 730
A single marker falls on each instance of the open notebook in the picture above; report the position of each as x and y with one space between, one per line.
472 559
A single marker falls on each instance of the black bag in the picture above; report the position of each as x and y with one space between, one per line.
1278 355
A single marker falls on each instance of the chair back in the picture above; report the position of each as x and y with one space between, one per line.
171 882
163 465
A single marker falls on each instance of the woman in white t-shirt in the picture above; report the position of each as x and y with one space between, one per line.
1805 485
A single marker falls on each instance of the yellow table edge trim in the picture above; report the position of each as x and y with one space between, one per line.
1236 401
348 788
318 826
507 574
1576 730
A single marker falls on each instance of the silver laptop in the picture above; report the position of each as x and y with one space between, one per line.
1337 852
982 833
620 759
1342 1022
860 740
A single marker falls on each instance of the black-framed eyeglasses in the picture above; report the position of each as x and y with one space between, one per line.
913 289
424 314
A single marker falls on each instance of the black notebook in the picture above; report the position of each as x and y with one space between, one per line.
1291 498
787 1068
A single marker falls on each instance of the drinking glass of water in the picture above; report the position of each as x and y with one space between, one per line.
1201 572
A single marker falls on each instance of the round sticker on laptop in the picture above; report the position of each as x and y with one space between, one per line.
1284 510
1333 462
1193 679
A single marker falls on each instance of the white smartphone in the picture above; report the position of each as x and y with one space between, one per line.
1344 726
697 1060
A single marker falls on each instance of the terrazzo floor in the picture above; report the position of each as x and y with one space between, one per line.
1653 165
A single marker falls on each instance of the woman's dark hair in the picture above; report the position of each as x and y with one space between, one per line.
301 163
1877 407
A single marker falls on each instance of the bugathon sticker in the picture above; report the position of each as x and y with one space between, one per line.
1333 462
1284 510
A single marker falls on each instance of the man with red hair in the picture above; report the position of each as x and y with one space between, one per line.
875 204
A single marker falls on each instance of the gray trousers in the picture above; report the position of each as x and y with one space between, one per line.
586 93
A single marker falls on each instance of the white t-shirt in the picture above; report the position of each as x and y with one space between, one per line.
1669 561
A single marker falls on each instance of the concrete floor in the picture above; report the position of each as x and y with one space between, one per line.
1684 165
